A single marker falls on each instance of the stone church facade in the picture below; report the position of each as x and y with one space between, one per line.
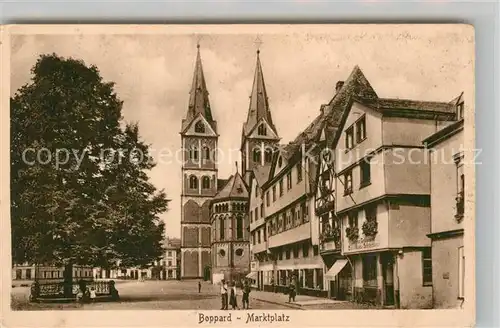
214 216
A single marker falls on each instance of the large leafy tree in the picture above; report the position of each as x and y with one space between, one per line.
79 188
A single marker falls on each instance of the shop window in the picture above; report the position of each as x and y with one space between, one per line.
370 270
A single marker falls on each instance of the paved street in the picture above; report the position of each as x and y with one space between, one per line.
154 295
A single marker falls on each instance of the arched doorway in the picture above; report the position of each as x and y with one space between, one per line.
207 273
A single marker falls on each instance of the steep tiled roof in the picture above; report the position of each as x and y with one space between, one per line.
221 183
234 188
386 105
444 133
331 113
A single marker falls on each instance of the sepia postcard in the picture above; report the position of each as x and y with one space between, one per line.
234 175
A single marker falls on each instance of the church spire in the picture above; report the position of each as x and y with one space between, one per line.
198 96
259 104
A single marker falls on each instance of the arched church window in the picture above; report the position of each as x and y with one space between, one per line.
206 153
262 130
221 229
239 227
193 153
193 182
199 127
256 155
268 155
205 183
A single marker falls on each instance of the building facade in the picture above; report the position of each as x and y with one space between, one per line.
383 197
230 242
172 259
447 214
199 178
49 273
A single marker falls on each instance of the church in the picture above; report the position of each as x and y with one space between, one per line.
215 239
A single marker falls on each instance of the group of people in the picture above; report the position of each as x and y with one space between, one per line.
88 294
229 295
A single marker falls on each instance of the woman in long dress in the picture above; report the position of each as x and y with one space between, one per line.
232 299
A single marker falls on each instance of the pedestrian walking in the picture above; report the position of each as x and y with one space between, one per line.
246 295
199 287
223 293
291 292
233 298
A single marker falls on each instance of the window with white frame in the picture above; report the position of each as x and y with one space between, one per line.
349 137
427 266
347 183
360 129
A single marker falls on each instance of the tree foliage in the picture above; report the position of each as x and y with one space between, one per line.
79 186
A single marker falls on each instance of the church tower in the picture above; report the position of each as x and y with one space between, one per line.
259 135
199 178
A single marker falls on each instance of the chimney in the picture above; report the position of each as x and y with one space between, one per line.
339 86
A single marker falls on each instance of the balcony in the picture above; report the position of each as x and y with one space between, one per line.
327 207
299 233
258 248
330 241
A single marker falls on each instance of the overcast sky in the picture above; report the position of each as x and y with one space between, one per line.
153 76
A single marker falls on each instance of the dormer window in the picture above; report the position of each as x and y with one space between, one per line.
460 111
199 127
262 131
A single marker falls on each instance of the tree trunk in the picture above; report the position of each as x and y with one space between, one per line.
68 280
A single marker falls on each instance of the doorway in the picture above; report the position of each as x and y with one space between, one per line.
388 276
206 273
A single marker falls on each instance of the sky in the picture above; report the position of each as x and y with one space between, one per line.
153 75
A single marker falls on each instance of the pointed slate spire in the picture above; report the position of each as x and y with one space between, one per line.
259 104
198 96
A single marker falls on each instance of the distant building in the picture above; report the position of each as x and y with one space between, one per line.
172 258
28 271
447 213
